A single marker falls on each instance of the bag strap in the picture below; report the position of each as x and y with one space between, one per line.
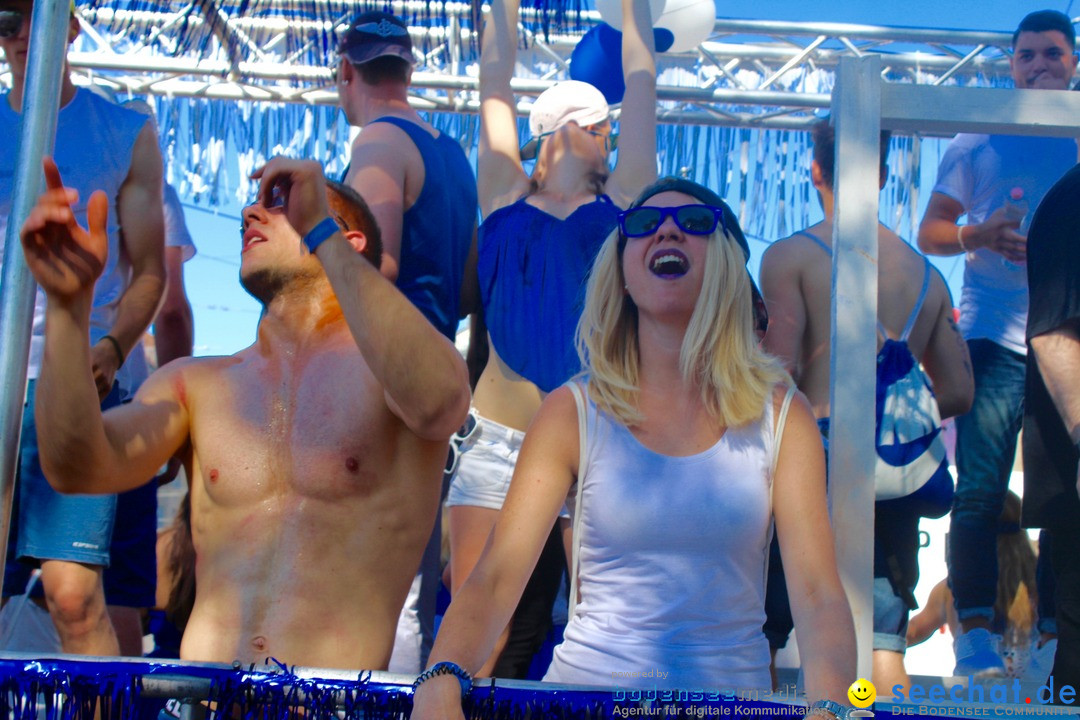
918 303
575 541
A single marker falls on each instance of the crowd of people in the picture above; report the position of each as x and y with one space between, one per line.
636 422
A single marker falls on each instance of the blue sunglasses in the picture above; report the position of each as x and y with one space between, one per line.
694 219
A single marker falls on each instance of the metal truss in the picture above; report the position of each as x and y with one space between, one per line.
748 73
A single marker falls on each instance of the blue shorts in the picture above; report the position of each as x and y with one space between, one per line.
47 525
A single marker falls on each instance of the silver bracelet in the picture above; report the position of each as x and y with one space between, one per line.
960 237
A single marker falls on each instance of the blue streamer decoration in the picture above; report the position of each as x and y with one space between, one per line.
72 689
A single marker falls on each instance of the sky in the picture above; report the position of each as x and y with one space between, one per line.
225 317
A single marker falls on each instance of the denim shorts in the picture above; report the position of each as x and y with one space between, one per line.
49 525
486 466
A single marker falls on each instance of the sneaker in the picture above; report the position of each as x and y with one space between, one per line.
978 654
1041 662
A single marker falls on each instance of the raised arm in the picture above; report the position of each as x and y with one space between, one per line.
500 178
80 450
636 166
819 606
545 469
782 290
946 358
422 373
939 233
142 223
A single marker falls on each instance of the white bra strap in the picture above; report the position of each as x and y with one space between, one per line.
778 434
575 541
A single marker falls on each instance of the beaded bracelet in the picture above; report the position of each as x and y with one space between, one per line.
446 668
320 233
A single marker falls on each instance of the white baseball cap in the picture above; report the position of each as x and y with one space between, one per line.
567 101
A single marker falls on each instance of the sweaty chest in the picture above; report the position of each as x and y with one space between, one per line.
303 434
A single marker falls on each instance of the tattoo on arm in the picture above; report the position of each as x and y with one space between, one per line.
962 345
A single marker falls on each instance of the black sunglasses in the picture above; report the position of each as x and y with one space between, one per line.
277 198
10 23
693 219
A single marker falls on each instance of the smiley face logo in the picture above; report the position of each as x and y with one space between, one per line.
862 693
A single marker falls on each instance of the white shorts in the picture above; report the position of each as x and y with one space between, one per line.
486 467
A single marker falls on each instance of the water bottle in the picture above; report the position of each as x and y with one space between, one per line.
1017 208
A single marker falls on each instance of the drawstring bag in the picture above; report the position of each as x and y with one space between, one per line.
912 467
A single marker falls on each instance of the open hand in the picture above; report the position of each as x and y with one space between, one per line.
65 259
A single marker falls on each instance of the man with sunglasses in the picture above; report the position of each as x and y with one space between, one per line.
98 145
422 190
310 454
796 278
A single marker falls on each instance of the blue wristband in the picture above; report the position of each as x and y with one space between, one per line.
320 233
446 668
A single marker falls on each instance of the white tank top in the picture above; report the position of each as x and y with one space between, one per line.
673 559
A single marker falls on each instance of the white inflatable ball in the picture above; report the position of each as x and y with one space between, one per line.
690 21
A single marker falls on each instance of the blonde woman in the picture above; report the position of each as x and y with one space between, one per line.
538 239
685 475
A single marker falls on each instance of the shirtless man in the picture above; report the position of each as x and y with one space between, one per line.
314 455
796 281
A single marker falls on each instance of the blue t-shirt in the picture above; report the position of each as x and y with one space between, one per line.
532 269
95 140
436 231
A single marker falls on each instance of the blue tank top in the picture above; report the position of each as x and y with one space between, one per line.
437 230
532 269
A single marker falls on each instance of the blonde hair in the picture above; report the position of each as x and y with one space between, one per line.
720 352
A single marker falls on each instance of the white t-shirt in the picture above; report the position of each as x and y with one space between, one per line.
980 172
